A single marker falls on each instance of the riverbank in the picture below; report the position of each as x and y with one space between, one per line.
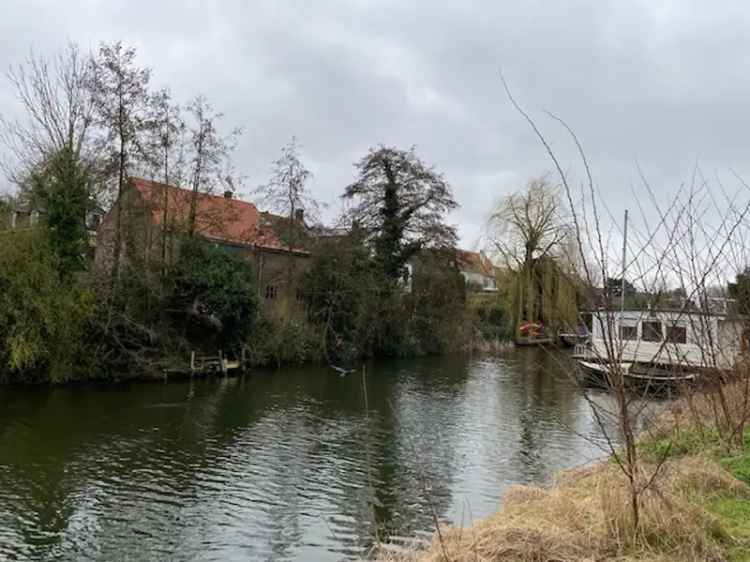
697 510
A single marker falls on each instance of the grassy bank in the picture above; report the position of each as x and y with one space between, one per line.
698 508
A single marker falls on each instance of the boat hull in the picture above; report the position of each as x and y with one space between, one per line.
529 341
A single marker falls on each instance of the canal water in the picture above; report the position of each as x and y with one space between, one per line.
285 465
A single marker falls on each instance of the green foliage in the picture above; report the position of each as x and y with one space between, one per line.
277 342
339 288
217 287
677 444
739 466
42 317
489 316
364 313
61 190
438 302
734 514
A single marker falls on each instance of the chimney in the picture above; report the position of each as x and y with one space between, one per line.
299 215
228 194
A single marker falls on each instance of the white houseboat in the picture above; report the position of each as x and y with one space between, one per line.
655 344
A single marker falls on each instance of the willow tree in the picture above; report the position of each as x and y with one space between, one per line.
530 232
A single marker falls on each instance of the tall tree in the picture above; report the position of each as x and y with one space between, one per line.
402 203
165 151
120 90
287 193
50 150
60 189
210 162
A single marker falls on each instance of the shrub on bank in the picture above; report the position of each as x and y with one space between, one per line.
43 315
277 342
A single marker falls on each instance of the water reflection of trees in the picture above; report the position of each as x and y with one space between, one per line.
275 466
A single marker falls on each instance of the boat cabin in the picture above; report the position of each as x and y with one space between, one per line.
669 336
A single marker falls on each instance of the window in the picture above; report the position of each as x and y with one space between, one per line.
628 332
677 334
271 291
652 331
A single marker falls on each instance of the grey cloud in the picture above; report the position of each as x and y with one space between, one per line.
664 85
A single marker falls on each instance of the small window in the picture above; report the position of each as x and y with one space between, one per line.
271 291
628 332
677 334
652 331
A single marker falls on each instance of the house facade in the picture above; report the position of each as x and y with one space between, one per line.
477 270
153 216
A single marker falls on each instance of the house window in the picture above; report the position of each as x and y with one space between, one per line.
628 332
677 334
271 291
652 331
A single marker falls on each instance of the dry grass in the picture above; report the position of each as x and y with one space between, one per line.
585 517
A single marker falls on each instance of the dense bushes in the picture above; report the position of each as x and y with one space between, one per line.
277 342
94 326
363 313
43 318
102 326
214 288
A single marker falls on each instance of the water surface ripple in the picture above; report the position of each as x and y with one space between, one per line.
280 466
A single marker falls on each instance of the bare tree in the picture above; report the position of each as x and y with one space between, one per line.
286 191
120 91
287 194
210 163
165 152
58 111
677 248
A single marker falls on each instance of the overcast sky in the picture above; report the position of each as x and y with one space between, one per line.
665 84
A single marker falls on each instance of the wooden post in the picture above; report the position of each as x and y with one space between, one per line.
222 365
192 363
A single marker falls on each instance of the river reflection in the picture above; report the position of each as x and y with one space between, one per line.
280 466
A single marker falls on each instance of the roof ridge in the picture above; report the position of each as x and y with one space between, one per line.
153 183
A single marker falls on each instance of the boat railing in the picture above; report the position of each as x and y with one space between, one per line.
582 350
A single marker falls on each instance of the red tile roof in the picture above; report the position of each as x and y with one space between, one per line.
217 218
474 262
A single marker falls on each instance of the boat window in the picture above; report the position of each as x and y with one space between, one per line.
677 334
652 331
588 321
628 332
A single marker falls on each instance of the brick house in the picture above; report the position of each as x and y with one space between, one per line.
153 213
